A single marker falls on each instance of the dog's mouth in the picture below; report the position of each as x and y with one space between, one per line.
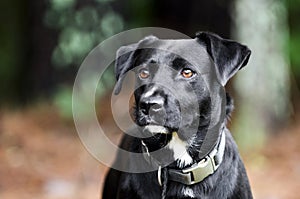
156 136
155 129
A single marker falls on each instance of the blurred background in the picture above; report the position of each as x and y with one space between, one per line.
43 43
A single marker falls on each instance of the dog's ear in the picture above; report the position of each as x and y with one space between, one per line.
125 58
228 56
122 64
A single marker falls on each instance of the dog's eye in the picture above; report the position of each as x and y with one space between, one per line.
187 73
144 73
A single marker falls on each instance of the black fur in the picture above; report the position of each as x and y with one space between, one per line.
176 112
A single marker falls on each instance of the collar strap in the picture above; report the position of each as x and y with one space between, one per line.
199 171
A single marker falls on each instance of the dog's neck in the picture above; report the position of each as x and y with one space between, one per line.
200 170
187 171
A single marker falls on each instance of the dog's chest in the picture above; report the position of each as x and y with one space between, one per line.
188 192
180 153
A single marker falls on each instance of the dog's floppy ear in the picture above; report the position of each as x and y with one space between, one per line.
228 56
122 65
125 58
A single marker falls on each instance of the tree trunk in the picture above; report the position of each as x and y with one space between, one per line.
263 86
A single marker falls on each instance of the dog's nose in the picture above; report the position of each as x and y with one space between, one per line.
150 106
153 108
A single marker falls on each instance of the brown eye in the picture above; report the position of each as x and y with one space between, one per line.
144 73
187 73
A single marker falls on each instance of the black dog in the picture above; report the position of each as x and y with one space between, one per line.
174 109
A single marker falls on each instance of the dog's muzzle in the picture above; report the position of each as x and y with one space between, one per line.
155 129
152 110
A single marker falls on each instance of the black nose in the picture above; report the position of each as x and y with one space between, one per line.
153 108
151 105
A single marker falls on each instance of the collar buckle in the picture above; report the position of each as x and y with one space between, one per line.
200 170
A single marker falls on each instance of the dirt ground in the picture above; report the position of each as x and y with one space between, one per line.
41 156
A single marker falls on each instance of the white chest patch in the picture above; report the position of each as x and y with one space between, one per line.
188 192
179 148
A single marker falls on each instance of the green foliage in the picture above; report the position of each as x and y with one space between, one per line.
80 30
293 5
63 97
12 41
73 45
63 100
294 27
61 5
294 48
142 12
111 24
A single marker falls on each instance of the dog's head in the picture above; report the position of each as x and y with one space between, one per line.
171 94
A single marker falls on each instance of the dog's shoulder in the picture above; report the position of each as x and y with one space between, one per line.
232 173
118 180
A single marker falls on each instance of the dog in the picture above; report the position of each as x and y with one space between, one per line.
175 107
